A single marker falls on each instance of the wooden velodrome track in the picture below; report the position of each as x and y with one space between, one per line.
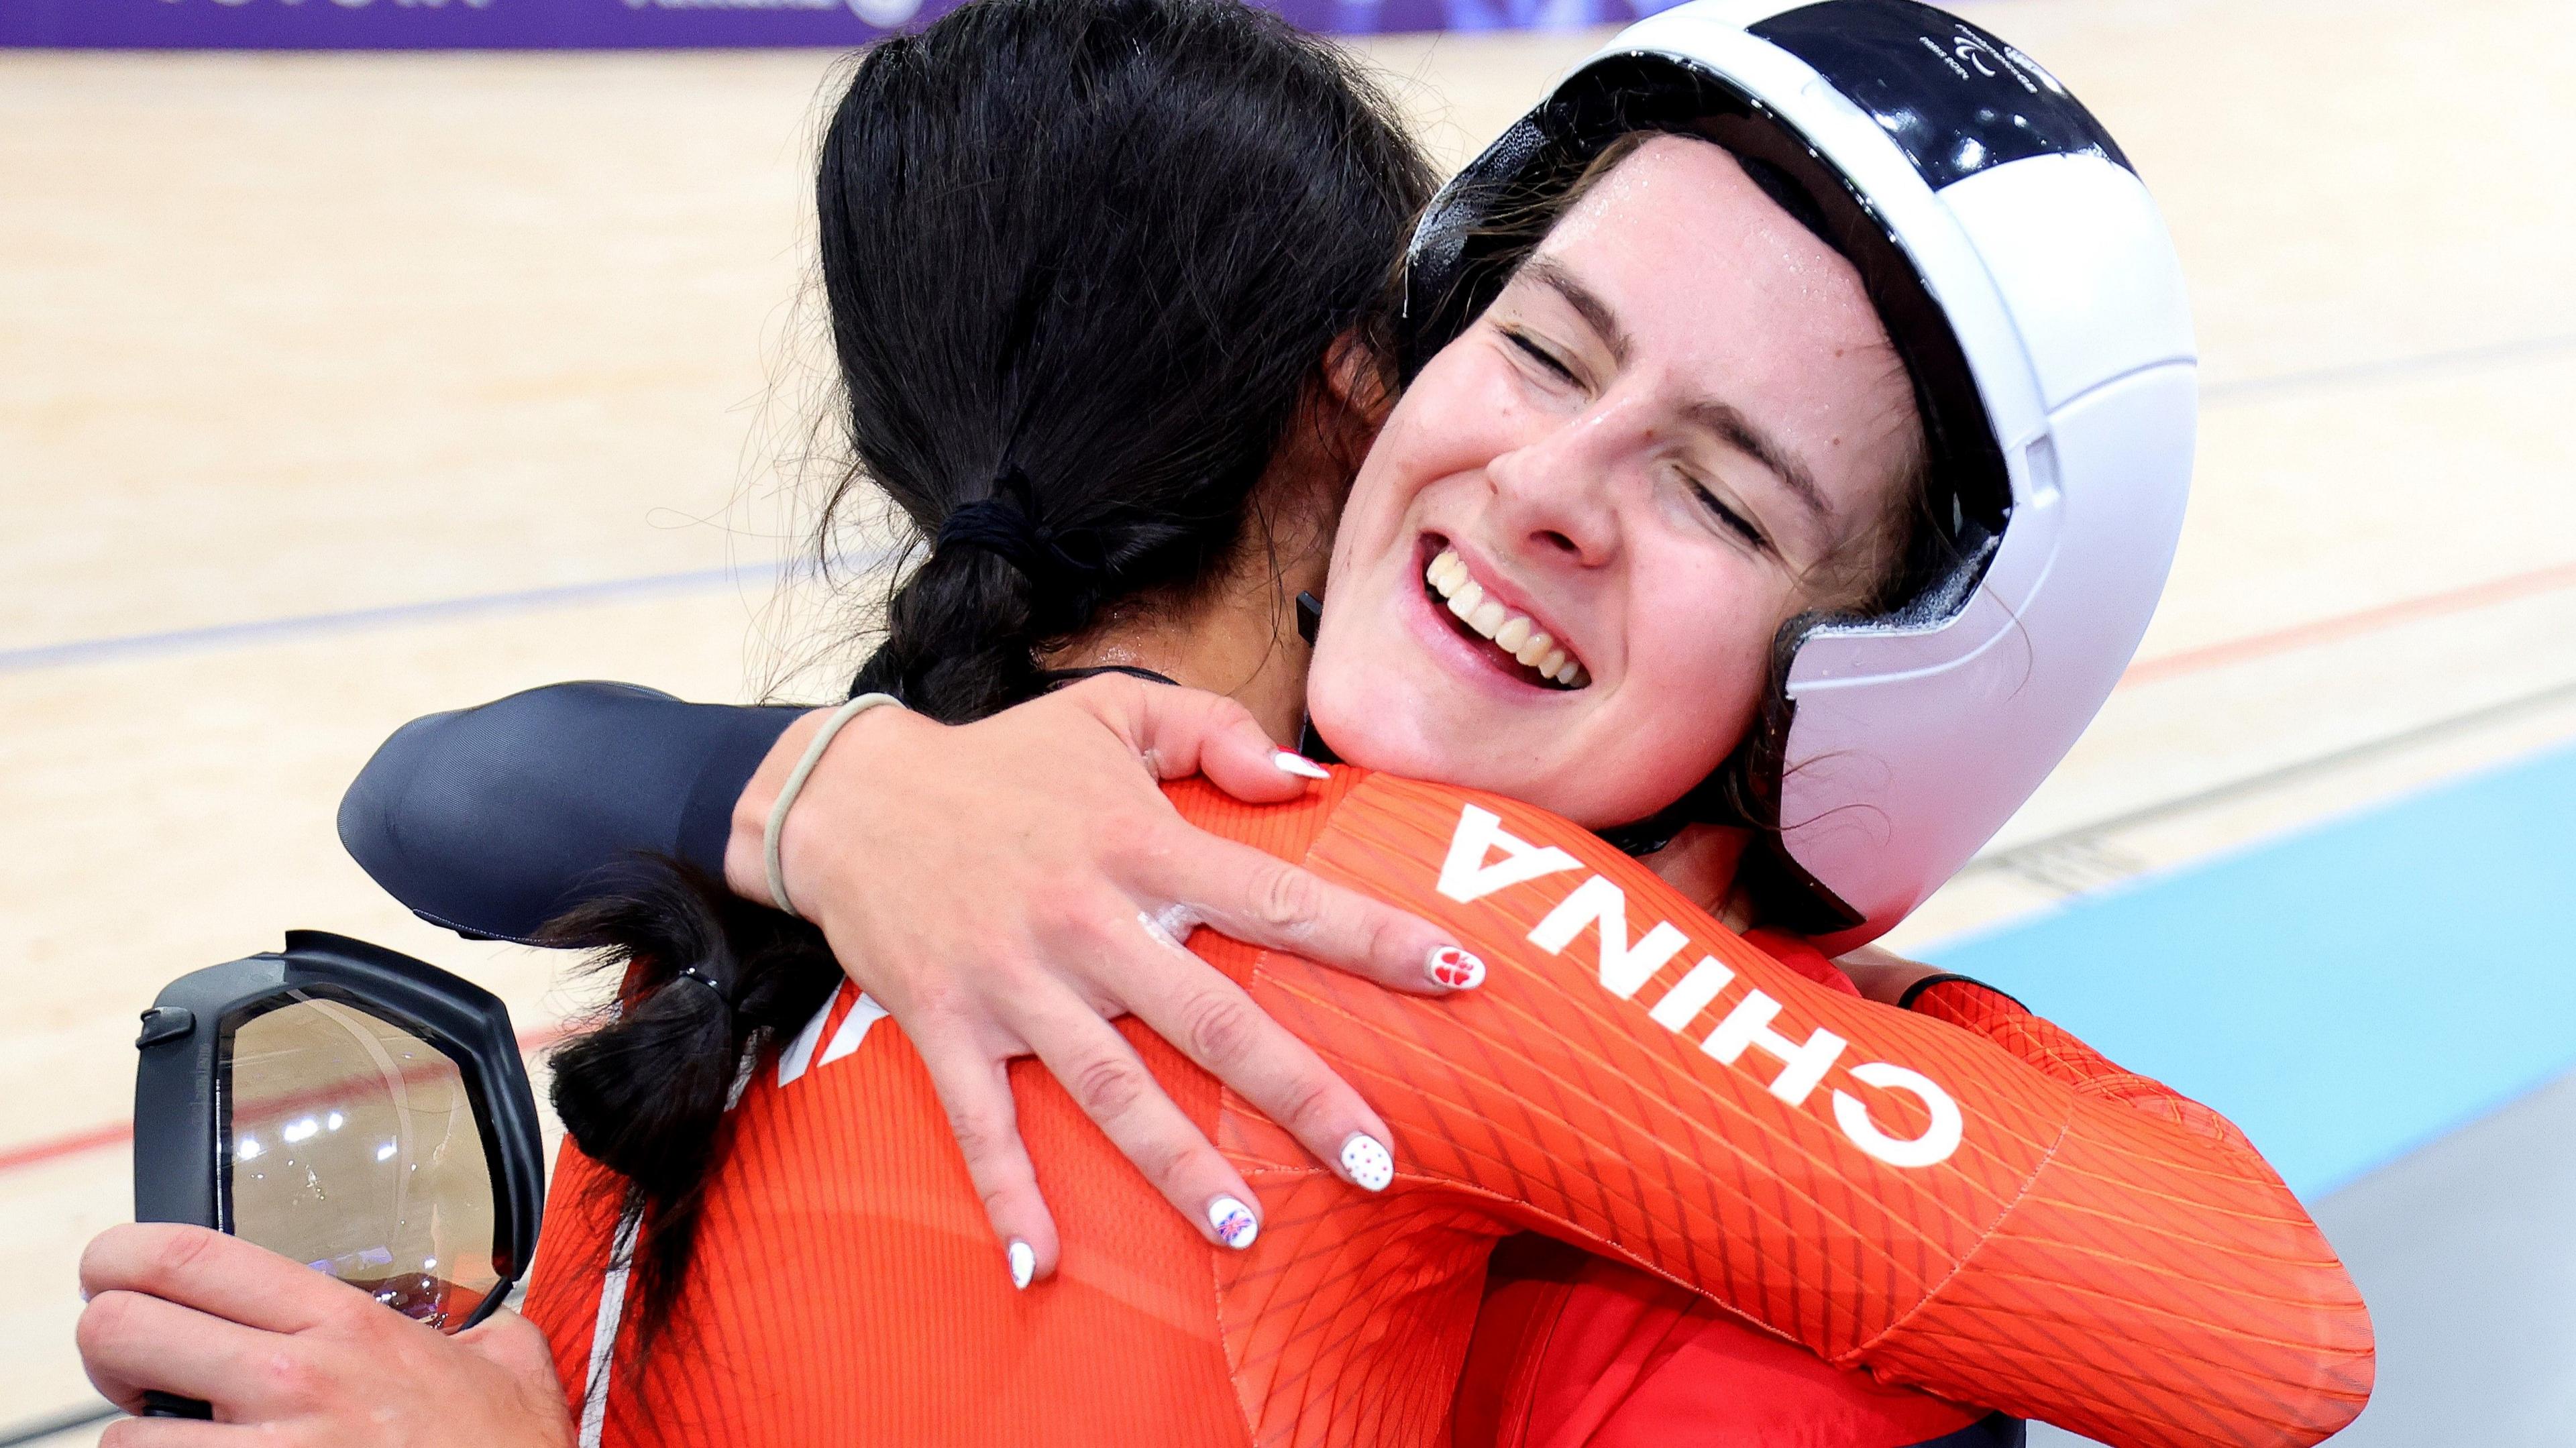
337 389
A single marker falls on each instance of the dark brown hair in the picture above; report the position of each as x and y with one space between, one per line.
1084 262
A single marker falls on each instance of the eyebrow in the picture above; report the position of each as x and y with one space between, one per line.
1741 433
1722 418
1586 303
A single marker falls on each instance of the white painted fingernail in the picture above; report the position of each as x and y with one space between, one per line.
1456 969
1234 1222
1024 1264
1366 1161
1299 765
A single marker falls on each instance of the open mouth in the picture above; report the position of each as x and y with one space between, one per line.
1515 637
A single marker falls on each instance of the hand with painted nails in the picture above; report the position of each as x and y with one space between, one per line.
1008 887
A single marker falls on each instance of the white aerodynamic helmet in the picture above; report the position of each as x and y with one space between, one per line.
2028 282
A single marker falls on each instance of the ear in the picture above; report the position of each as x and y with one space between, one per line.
1359 378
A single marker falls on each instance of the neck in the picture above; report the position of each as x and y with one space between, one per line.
1701 862
1238 637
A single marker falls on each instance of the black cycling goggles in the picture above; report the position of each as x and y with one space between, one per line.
354 1109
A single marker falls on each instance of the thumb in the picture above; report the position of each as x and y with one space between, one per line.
514 1345
1181 732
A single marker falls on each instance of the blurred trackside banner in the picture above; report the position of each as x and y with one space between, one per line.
648 24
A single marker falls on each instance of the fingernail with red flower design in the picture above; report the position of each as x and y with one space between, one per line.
1456 969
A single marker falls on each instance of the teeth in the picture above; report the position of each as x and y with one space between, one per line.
1513 633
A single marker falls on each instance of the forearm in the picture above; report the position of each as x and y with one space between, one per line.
2151 1288
2229 1305
494 819
1891 1191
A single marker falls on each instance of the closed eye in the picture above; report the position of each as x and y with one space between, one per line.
1541 356
1732 519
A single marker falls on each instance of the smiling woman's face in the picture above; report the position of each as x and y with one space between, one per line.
1678 426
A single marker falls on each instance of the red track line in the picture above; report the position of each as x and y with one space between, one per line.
40 1152
117 1133
2349 625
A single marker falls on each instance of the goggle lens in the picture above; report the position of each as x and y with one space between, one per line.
351 1144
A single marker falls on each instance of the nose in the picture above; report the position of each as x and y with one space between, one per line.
1555 491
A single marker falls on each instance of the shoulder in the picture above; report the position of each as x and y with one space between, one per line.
1413 818
1498 870
1493 868
1435 847
1288 829
1404 838
1463 846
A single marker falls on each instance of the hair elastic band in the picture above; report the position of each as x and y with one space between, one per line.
1070 567
796 782
691 972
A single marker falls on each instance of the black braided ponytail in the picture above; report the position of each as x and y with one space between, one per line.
1084 260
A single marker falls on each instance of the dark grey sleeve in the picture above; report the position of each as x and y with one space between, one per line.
492 820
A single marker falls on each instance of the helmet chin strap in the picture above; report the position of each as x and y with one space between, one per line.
1643 837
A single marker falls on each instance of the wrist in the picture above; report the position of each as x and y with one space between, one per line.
745 867
771 855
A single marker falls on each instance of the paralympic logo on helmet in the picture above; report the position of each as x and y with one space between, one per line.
1751 1023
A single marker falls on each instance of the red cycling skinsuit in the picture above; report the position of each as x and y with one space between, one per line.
1889 1192
1575 1351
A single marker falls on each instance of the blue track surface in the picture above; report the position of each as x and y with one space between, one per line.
2344 994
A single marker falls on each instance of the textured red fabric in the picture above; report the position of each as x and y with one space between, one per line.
1574 1352
2054 1050
1571 1350
2063 1256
